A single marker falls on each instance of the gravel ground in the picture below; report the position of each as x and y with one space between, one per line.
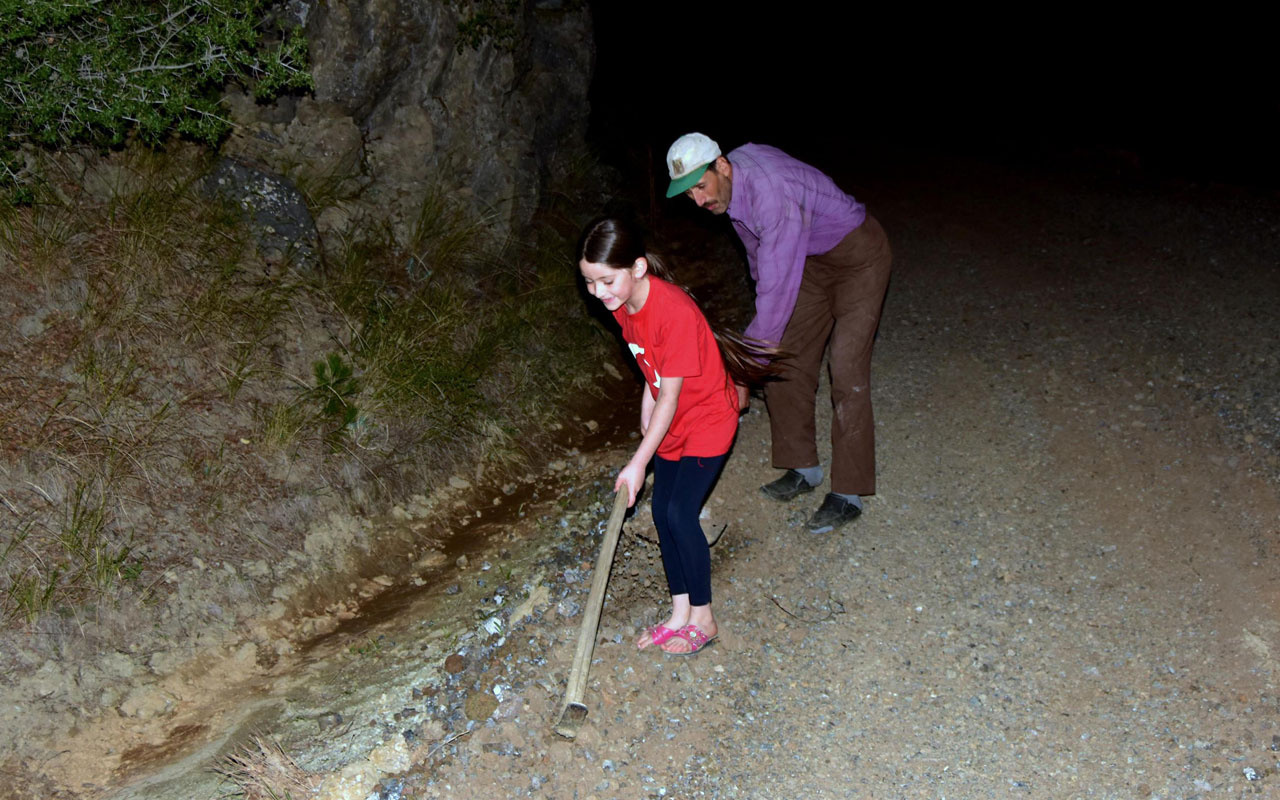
1066 587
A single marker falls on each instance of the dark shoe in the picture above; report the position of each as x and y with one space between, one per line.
788 486
835 511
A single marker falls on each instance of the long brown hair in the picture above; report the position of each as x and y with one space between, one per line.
616 243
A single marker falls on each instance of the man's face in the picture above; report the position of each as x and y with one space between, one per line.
714 188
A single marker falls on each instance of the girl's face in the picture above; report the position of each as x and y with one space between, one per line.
616 287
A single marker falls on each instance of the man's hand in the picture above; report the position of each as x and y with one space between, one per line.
744 398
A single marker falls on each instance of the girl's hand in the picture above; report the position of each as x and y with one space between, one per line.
631 477
744 398
662 410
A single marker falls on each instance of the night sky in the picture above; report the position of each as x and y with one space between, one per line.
1182 97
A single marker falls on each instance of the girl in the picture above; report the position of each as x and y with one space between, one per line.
688 413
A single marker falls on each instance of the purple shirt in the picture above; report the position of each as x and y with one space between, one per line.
784 211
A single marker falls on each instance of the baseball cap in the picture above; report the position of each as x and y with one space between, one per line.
687 159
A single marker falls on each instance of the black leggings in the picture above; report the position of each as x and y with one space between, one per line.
679 489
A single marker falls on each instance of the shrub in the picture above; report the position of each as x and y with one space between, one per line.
95 71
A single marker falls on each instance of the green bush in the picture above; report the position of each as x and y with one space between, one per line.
95 71
335 390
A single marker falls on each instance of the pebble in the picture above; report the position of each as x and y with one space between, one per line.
328 720
480 706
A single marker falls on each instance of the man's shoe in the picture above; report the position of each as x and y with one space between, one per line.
835 511
791 483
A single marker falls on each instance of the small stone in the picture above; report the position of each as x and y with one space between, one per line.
459 482
480 706
31 326
122 666
455 664
145 702
49 681
499 748
328 720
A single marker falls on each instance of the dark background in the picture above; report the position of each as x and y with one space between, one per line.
1094 91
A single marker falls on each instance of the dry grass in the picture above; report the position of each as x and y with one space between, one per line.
262 771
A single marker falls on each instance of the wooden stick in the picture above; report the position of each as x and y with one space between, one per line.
574 711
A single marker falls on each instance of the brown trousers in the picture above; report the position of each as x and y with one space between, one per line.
840 299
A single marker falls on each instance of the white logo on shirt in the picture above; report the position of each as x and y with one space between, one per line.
637 351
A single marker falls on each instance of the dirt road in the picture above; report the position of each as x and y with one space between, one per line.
1068 584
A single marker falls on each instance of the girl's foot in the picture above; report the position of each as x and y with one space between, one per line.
655 635
690 639
660 634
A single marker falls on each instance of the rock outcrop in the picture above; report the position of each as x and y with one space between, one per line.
403 112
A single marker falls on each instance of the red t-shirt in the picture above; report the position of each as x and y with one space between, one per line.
669 336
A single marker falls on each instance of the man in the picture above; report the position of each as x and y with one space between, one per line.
821 267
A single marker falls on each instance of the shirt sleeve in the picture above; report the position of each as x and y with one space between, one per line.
749 243
779 262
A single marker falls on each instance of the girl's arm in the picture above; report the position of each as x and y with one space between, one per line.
646 409
664 410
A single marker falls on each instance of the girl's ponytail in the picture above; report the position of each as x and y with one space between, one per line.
748 362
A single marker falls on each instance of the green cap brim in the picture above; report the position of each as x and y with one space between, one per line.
681 185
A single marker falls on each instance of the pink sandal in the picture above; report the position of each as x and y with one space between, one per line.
695 636
659 634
